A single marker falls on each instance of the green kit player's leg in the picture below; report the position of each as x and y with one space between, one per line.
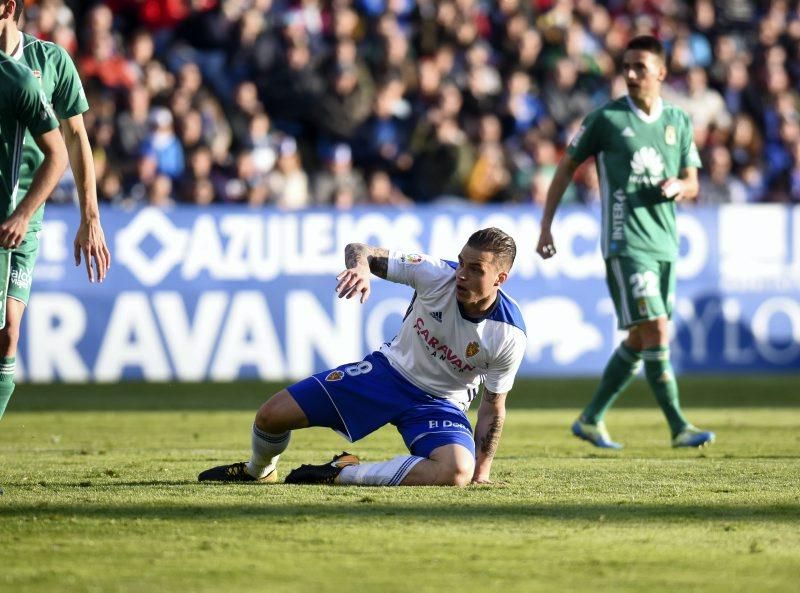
661 377
16 274
7 366
618 374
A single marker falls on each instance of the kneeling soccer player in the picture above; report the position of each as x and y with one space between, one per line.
460 330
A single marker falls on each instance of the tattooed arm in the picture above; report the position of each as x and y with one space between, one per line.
491 415
361 260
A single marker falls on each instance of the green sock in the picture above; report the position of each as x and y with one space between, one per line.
661 377
619 372
7 366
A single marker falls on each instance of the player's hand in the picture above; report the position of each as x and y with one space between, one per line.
13 230
480 480
90 241
354 281
546 248
672 189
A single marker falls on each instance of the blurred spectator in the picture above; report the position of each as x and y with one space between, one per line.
746 145
383 140
565 101
110 188
161 146
133 125
716 184
443 164
489 180
247 185
262 143
103 63
703 104
287 183
159 193
246 105
197 186
338 184
521 110
382 192
346 104
740 95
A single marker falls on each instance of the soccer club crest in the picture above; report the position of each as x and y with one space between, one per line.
411 258
472 349
642 304
335 376
670 135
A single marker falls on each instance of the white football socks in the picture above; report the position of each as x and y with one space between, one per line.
267 448
382 473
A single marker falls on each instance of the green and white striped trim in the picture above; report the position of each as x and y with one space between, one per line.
628 355
662 354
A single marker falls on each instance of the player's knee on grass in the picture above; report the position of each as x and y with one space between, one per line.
455 466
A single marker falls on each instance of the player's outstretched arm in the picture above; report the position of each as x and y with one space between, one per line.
561 180
90 241
361 261
491 416
13 229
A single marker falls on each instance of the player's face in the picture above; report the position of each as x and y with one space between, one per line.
643 72
478 277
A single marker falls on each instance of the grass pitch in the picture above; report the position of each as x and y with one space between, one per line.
100 495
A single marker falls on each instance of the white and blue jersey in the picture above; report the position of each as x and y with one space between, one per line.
443 351
422 381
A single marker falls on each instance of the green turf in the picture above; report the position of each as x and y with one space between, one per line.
100 495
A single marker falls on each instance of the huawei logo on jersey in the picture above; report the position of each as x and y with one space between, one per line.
647 167
472 349
37 74
442 351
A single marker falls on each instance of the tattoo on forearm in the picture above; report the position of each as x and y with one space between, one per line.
379 262
490 396
375 257
491 439
354 254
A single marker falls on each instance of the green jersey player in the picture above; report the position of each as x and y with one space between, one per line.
23 106
646 160
57 80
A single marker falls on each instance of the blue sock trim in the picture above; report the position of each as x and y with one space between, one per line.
404 469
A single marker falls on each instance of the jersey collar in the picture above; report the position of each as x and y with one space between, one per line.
17 55
488 314
658 107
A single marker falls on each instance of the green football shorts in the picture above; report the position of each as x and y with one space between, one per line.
19 275
641 288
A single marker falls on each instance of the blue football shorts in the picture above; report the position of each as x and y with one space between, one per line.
357 399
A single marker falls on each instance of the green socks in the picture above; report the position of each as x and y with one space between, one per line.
661 377
7 366
619 372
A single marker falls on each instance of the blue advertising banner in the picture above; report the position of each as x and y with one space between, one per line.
228 293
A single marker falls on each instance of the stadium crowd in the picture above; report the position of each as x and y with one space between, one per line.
342 102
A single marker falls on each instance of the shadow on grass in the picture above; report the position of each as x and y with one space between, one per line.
364 508
696 391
